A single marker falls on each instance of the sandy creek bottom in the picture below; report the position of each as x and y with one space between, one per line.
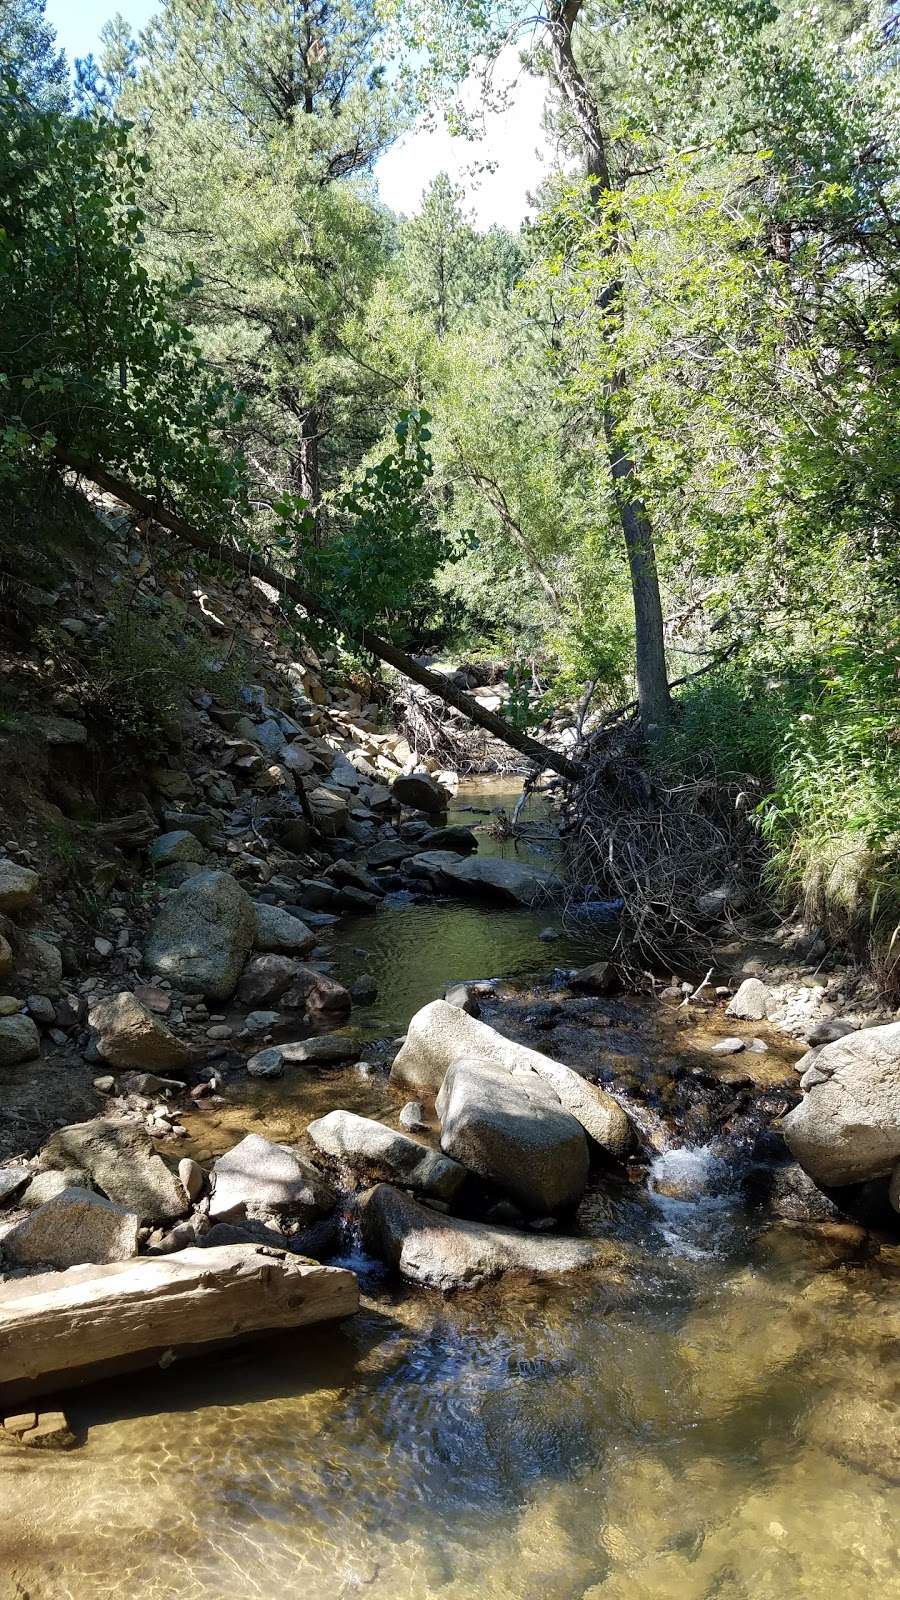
724 1427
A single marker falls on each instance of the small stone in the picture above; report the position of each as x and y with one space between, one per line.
9 1005
727 1047
103 947
7 960
412 1117
104 1085
220 1030
192 1176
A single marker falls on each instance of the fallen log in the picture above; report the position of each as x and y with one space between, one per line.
59 1329
246 563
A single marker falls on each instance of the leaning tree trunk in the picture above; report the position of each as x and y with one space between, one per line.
654 699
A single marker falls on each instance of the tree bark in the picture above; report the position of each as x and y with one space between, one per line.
654 699
249 565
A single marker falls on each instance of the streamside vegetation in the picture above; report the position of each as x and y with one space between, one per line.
644 451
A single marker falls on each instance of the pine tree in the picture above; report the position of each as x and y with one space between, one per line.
29 54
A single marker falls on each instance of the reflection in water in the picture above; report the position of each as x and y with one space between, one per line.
724 1429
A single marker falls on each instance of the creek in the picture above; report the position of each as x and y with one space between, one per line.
721 1427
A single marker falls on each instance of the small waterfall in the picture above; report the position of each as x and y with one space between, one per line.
694 1189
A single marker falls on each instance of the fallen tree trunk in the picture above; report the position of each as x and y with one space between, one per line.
246 562
64 1328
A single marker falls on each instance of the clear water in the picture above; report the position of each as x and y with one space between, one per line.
722 1428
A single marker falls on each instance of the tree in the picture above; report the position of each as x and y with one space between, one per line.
93 359
28 53
462 36
99 86
262 122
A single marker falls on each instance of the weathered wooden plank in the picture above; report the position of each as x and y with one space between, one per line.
63 1328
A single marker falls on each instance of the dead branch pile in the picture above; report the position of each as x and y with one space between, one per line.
436 729
680 854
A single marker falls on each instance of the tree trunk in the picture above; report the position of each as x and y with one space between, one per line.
250 565
654 699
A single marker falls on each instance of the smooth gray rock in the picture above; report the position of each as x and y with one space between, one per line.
75 1227
258 1178
847 1127
203 934
510 1129
19 1040
501 878
130 1036
448 1253
120 1159
751 1001
371 1151
280 932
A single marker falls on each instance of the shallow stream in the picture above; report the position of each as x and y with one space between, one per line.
722 1427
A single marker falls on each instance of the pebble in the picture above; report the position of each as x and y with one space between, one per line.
727 1047
103 947
220 1030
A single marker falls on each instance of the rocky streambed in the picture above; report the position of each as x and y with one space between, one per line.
667 1364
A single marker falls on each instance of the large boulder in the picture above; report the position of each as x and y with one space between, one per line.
260 1179
203 934
121 1162
280 932
440 1034
370 1151
847 1127
510 1129
18 886
19 1040
75 1227
448 1253
500 878
128 1035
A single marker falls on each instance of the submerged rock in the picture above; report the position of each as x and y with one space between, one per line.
371 1151
847 1127
510 1129
203 934
448 1253
323 1049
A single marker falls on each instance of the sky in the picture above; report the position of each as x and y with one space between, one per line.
497 173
